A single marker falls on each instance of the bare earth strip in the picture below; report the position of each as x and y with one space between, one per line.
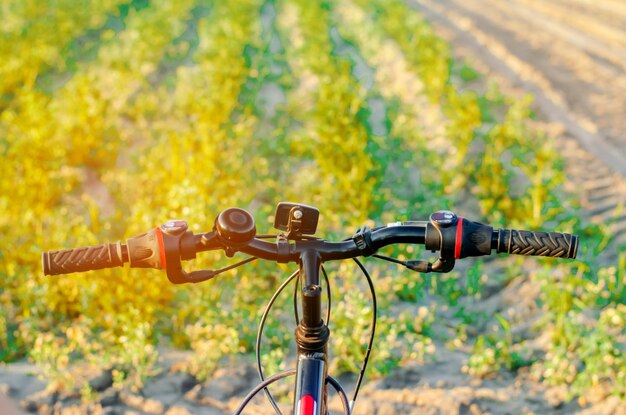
594 24
611 12
582 91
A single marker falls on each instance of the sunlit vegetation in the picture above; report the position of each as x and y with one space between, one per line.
116 116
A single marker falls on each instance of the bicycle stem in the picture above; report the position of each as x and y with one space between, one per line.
312 336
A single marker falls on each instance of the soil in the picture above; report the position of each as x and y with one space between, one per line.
438 387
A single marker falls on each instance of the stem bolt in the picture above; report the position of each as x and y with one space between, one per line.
297 214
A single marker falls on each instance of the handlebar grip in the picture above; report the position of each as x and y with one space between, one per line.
87 258
552 244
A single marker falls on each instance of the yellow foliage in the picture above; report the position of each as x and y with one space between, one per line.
158 118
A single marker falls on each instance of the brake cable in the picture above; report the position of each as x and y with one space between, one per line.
371 340
328 292
271 303
260 334
238 264
389 259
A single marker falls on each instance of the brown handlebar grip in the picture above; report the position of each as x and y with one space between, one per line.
82 259
552 244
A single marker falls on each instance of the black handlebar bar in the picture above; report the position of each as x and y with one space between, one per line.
164 247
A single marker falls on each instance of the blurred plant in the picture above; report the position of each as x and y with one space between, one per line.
210 343
588 343
495 351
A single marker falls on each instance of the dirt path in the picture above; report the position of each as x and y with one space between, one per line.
566 55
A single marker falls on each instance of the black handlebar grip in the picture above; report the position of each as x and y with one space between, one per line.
552 244
82 259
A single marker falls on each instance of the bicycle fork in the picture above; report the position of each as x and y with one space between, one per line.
312 338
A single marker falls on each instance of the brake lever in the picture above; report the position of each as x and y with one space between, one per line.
441 235
233 229
174 244
197 276
172 236
441 265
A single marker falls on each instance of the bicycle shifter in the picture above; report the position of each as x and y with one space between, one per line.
441 235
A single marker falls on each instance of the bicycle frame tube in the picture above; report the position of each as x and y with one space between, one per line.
312 338
310 385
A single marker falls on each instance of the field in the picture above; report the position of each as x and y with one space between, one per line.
117 116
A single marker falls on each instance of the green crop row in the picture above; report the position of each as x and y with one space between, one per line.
37 37
515 173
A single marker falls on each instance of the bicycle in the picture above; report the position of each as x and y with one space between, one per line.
234 230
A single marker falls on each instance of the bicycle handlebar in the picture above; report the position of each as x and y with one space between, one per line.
234 230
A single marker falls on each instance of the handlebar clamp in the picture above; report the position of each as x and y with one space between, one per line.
363 240
282 248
